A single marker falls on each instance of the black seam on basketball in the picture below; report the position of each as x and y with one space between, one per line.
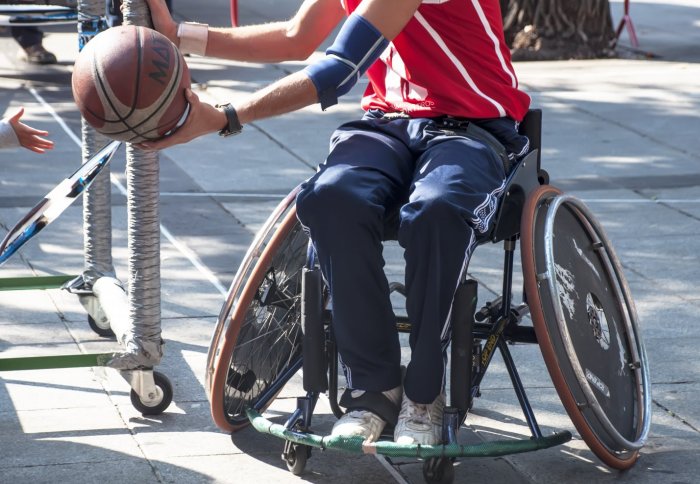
173 86
101 84
98 78
144 136
123 120
166 100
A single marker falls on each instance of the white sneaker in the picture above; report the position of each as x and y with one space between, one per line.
420 423
364 423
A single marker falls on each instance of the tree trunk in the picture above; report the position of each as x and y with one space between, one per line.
558 29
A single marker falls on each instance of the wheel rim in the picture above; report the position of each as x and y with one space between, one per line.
250 260
156 401
575 349
264 334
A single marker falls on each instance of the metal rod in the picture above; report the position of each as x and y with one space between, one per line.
277 385
519 389
508 257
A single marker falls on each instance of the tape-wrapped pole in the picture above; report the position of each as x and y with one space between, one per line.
97 200
144 345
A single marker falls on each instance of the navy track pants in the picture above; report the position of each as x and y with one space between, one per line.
433 190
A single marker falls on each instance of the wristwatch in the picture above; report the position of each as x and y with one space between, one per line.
234 126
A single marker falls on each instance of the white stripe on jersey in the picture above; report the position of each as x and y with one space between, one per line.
496 43
460 67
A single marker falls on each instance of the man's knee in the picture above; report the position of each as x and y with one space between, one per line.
428 214
332 197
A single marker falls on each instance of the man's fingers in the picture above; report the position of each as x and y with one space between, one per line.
156 6
190 95
156 145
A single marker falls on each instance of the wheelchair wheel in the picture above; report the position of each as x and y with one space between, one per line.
586 325
256 346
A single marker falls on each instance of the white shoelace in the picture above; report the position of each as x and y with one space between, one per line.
417 413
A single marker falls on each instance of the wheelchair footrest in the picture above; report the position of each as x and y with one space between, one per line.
392 449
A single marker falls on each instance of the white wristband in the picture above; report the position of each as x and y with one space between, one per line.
193 37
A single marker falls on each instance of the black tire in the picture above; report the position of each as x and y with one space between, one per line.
438 470
263 341
296 457
163 387
586 325
102 330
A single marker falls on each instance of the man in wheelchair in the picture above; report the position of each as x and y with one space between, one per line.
425 164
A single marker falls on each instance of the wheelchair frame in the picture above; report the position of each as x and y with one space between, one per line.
275 303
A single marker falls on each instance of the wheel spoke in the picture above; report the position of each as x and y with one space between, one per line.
270 334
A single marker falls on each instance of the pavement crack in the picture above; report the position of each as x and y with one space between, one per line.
282 146
637 132
675 416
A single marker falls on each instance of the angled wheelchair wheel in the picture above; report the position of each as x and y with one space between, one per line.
256 346
586 325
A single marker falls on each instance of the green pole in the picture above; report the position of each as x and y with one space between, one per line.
33 282
53 362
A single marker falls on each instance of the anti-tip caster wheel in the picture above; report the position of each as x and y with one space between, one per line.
295 456
164 395
438 470
102 328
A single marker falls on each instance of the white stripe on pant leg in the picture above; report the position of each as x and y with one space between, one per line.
465 264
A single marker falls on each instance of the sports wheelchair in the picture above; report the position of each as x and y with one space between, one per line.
276 321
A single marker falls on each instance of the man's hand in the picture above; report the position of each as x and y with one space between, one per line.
29 137
202 119
162 20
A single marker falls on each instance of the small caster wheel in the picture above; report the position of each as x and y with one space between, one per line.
295 456
102 329
438 470
164 391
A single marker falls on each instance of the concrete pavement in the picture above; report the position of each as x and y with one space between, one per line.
620 133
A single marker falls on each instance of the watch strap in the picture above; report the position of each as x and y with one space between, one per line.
233 126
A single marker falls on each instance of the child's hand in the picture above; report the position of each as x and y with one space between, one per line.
29 137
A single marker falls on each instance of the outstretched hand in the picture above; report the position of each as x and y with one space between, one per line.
202 119
162 20
29 137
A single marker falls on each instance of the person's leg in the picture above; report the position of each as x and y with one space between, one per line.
30 39
27 36
452 203
114 12
344 207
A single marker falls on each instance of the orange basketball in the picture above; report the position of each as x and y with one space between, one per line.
129 84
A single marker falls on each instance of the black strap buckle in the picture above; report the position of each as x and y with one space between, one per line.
374 402
472 130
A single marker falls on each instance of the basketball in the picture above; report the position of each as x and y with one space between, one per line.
129 84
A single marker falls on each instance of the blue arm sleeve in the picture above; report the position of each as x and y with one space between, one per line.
356 47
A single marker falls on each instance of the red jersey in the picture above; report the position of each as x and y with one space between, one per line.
451 58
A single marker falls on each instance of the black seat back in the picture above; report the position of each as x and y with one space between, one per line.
525 177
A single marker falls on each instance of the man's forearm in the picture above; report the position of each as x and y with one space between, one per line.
294 39
253 43
286 95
